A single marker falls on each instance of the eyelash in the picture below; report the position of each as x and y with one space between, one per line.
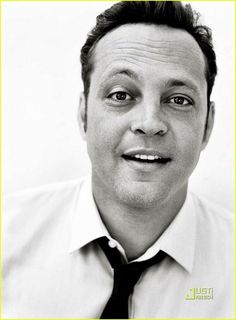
189 101
119 92
124 101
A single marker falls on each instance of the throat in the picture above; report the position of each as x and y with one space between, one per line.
136 228
135 231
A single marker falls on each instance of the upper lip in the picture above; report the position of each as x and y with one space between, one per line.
145 151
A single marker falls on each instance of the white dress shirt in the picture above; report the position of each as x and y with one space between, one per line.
52 268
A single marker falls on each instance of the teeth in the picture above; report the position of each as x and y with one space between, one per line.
146 157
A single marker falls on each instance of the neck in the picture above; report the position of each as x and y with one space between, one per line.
136 229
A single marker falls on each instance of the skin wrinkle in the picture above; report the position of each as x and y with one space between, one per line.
161 47
148 47
167 55
147 51
153 59
149 40
165 51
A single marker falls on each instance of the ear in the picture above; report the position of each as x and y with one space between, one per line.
209 125
82 116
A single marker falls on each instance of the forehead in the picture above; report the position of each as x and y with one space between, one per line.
148 49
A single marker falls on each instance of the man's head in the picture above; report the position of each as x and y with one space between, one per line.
146 103
169 13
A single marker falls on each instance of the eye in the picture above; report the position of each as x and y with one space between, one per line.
119 96
180 100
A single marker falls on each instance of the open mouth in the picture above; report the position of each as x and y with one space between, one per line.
146 158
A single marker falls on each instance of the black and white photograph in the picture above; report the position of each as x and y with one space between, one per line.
118 159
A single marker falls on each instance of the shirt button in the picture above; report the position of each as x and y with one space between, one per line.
112 244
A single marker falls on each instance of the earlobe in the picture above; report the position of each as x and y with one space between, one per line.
81 116
209 124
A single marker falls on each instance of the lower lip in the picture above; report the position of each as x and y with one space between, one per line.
145 166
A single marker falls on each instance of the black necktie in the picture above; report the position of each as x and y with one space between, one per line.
125 278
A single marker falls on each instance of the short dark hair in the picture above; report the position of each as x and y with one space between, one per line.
170 13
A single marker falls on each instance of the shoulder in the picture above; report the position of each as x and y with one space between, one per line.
41 198
38 210
214 230
36 226
42 191
212 213
213 265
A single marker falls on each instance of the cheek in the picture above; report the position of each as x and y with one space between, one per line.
103 135
190 141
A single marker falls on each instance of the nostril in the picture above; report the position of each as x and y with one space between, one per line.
161 132
149 132
140 131
149 127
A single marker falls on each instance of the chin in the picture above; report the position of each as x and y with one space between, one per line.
142 195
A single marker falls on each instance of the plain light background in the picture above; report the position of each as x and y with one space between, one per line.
41 44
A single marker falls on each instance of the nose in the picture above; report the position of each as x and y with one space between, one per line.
148 121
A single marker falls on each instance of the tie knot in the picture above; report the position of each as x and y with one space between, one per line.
131 269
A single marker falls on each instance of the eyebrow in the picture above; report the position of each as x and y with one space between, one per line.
181 83
127 72
170 83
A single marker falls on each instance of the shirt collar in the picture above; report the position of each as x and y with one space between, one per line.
86 223
178 240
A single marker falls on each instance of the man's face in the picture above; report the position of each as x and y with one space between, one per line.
146 114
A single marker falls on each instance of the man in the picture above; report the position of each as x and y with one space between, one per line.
131 241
